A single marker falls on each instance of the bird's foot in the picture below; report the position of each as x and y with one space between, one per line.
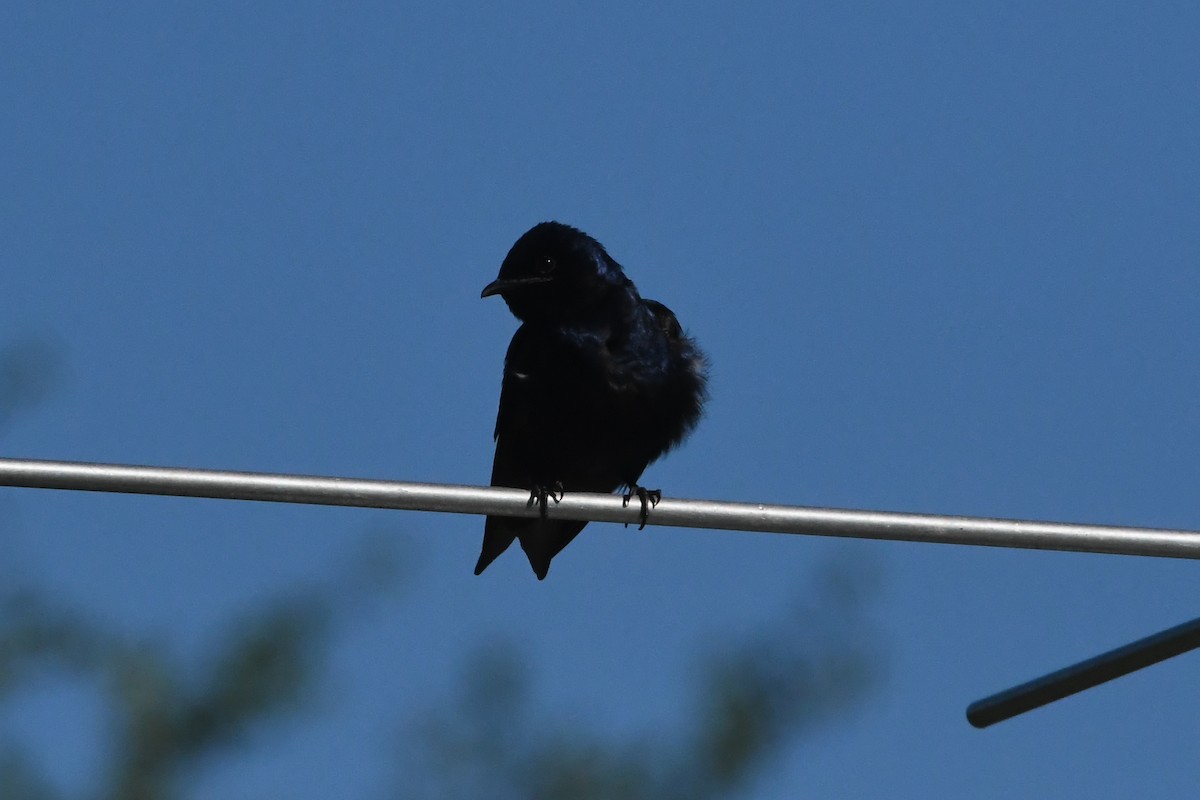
649 499
539 493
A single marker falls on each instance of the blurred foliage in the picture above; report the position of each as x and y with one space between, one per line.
160 721
752 697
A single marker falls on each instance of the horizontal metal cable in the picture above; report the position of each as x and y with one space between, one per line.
597 508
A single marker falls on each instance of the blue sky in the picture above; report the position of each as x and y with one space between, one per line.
943 257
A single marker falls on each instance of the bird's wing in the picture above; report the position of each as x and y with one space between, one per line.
514 465
511 417
499 531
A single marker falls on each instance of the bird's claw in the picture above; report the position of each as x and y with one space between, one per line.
539 493
649 499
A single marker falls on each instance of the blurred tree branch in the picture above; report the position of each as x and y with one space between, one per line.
162 719
261 673
752 698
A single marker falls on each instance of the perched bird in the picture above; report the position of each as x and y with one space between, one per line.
597 384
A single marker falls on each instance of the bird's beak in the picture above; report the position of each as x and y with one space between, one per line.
501 285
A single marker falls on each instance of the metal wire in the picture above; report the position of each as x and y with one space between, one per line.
1084 675
597 508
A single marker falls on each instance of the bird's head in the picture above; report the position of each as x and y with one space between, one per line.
555 272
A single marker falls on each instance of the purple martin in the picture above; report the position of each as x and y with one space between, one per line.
598 383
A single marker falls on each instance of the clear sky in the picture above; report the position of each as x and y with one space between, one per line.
944 256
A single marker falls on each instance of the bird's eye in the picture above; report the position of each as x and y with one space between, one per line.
547 265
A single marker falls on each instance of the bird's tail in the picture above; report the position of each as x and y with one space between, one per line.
541 539
545 539
498 534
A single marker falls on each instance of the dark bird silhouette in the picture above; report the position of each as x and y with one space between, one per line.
598 383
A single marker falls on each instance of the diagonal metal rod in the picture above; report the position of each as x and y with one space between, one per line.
1084 675
597 507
